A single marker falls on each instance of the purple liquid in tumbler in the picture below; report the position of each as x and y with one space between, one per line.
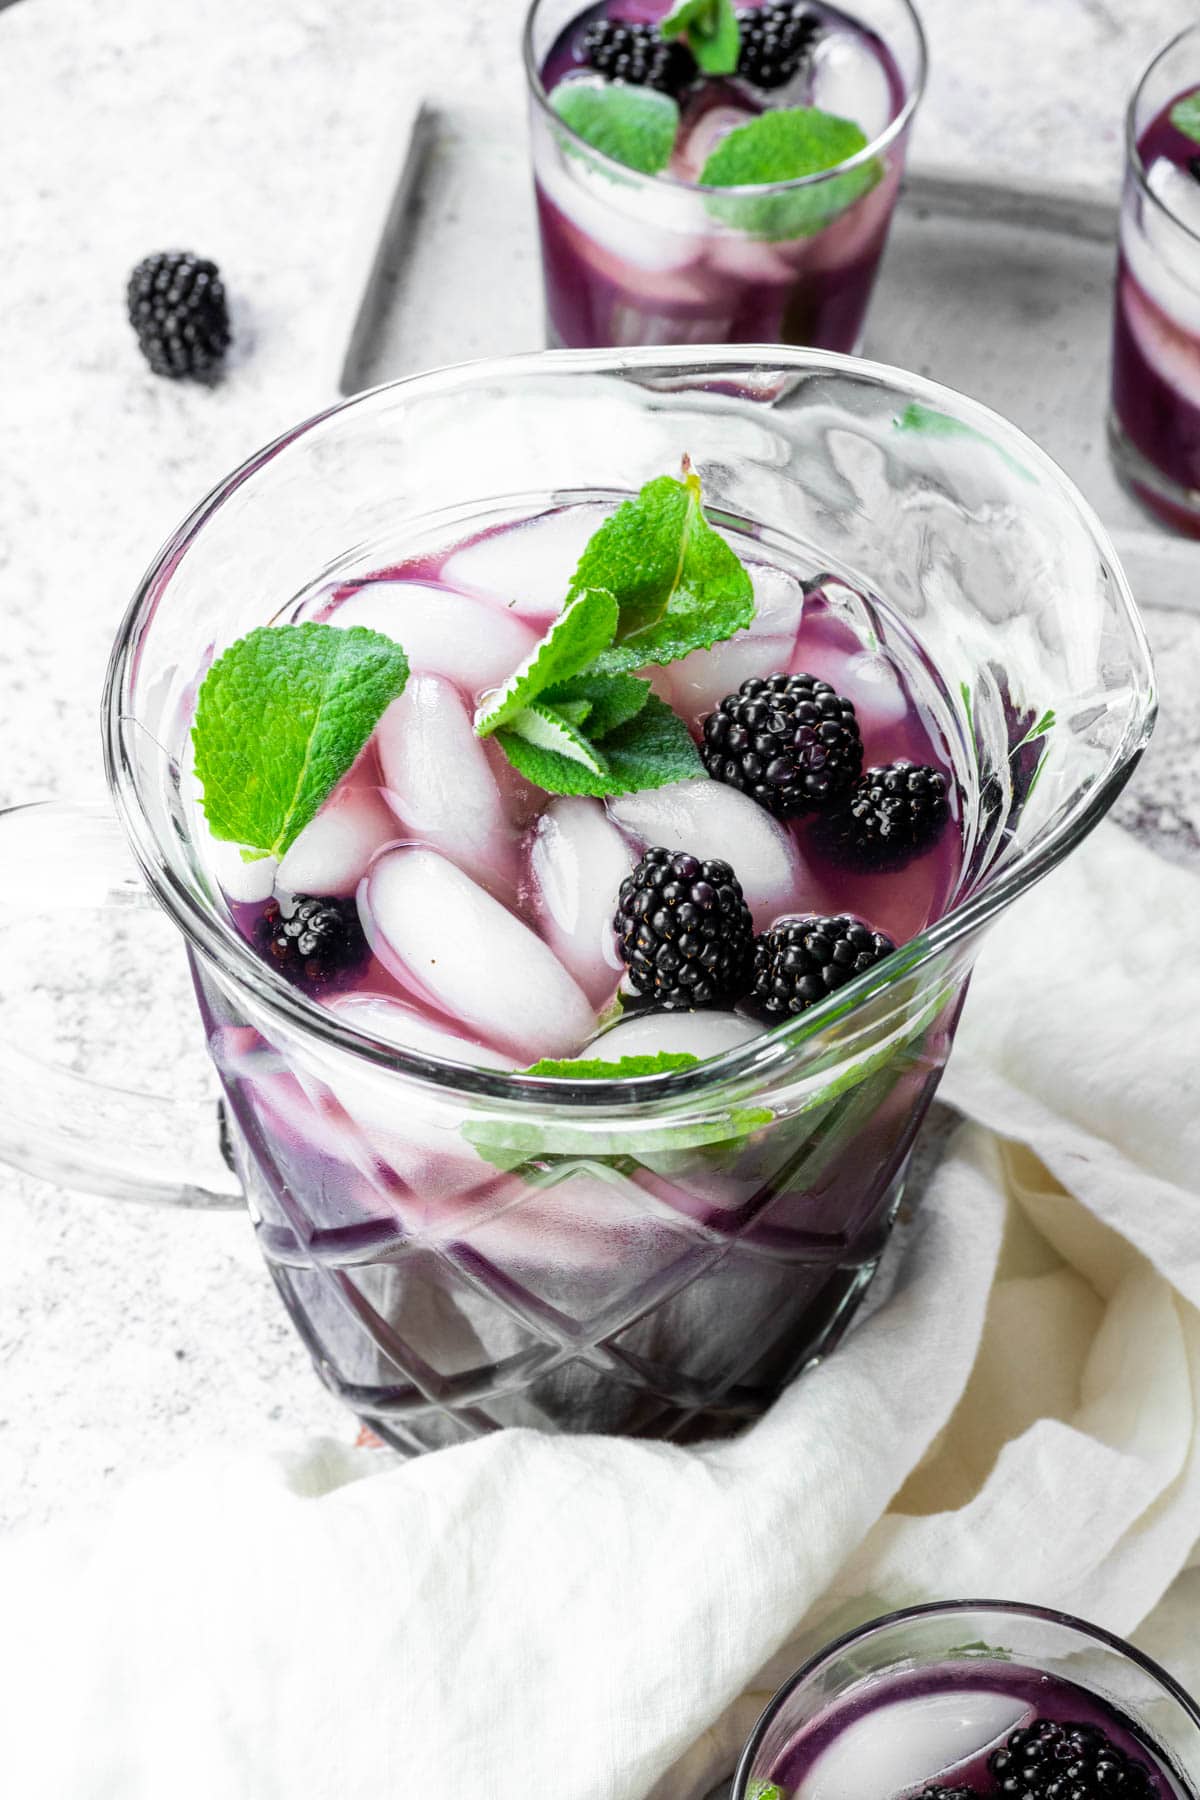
893 1736
668 1294
1156 331
641 261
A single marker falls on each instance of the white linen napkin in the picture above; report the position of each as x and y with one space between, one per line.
531 1618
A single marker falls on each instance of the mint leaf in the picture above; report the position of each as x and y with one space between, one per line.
280 717
547 730
607 700
1185 115
594 1068
509 1143
711 29
636 126
932 423
581 631
786 145
678 584
767 1790
650 750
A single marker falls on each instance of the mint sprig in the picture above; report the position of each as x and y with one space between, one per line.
595 1068
768 1790
635 126
1185 115
678 585
711 30
787 145
654 583
280 717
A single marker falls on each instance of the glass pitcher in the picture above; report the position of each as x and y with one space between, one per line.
637 1259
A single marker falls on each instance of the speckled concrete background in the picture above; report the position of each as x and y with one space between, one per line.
128 1337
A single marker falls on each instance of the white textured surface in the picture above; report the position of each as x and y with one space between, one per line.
128 1337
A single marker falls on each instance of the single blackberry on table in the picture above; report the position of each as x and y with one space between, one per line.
800 961
177 307
789 741
892 812
775 40
1052 1760
638 55
684 930
310 939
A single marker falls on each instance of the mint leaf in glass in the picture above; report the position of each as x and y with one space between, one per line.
678 585
594 1068
767 1790
1185 115
711 30
608 700
786 145
551 733
635 126
280 717
583 629
932 423
649 750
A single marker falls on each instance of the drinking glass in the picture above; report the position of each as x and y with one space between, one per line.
462 1249
962 1631
638 259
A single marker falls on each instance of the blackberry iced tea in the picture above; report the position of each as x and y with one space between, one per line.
678 205
443 901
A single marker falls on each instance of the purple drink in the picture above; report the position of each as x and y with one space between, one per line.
975 1700
927 1731
487 906
677 256
1155 423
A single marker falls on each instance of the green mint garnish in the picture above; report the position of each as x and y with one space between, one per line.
932 423
711 30
1185 115
584 628
655 582
594 1068
767 1790
786 145
678 585
280 717
650 750
635 126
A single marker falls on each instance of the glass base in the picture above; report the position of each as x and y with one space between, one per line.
1176 506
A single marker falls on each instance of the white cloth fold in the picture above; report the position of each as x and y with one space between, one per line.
594 1619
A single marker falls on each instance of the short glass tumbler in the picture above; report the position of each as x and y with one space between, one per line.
615 1280
636 259
1154 423
1017 1649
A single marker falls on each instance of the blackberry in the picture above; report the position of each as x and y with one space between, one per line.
638 55
892 813
177 307
775 41
1049 1760
800 961
788 741
311 940
684 930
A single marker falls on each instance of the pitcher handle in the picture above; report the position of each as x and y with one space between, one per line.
64 1127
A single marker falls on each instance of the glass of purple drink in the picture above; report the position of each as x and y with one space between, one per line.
667 251
1154 424
975 1699
470 1226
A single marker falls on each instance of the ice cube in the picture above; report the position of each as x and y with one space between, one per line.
443 633
439 783
698 140
577 863
849 81
1162 244
332 852
700 1034
709 819
892 1748
445 938
241 881
1171 351
700 681
639 233
410 1030
529 567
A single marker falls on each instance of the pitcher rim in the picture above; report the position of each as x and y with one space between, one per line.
776 1046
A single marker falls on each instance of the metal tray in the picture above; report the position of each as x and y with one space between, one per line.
1001 291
